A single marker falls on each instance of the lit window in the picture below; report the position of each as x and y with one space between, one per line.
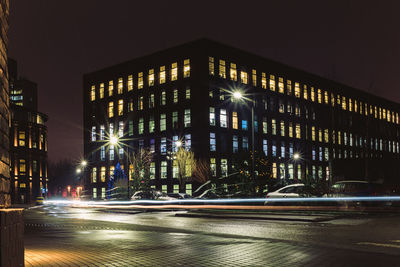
274 170
188 142
94 192
120 85
280 85
162 75
163 98
120 107
272 82
213 167
140 80
351 105
289 87
244 125
273 148
151 101
93 133
273 125
283 151
265 147
21 138
130 82
121 153
94 175
175 96
243 77
233 72
141 126
140 103
101 90
235 144
305 92
163 146
174 71
151 77
211 65
121 129
282 128
213 144
212 116
326 97
187 119
290 129
222 118
102 153
164 170
111 109
298 131
222 69
313 133
312 94
297 90
163 122
265 125
263 80
152 170
234 120
344 103
110 88
102 132
151 124
186 68
93 93
254 77
319 94
187 93
224 167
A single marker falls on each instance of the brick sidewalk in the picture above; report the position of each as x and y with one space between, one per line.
47 246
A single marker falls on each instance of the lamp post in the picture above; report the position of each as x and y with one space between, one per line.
237 95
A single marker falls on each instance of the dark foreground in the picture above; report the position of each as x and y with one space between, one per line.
64 236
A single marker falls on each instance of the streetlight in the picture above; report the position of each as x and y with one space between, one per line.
84 163
296 156
113 140
178 144
239 96
78 170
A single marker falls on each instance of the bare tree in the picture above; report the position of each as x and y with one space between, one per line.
186 165
201 172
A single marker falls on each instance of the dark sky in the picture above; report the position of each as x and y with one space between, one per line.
56 42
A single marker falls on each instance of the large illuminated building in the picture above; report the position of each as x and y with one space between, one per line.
5 199
28 140
185 93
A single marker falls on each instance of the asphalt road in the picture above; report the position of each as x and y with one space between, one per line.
66 236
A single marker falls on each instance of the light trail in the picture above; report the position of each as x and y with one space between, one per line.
224 201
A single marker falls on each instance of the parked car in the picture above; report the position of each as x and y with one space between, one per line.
293 190
152 195
208 194
353 188
39 200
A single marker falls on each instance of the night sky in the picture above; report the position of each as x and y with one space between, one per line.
56 42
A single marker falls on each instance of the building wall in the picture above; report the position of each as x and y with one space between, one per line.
326 123
4 108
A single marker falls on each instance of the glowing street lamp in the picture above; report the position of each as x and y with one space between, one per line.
113 140
84 163
296 156
237 95
178 143
78 170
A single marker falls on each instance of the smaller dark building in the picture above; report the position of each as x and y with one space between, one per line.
28 140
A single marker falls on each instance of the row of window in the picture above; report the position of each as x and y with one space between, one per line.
151 123
139 80
21 139
33 166
303 91
164 145
141 103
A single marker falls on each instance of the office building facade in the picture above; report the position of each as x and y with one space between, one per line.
186 93
28 140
